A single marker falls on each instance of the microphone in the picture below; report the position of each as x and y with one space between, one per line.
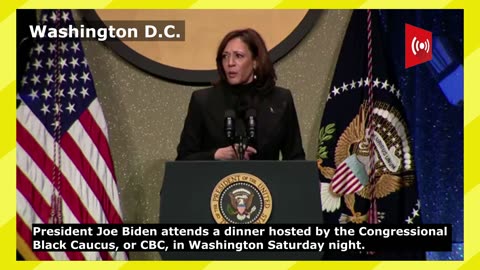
250 117
229 125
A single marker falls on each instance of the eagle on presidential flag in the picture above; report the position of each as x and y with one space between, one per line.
367 172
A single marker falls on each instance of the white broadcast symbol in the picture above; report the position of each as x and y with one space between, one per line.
417 46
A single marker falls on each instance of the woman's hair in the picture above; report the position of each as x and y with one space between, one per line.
264 71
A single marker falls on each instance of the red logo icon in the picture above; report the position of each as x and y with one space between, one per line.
418 45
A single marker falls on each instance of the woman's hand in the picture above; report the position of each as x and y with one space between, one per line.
249 152
228 153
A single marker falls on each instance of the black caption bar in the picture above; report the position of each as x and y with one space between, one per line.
239 238
114 30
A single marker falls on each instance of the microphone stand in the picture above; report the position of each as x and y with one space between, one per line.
241 147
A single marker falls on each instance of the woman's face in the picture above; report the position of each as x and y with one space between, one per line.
238 63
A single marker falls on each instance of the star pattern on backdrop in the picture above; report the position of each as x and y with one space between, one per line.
361 83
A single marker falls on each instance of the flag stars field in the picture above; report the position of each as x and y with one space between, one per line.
46 94
352 85
52 48
48 79
71 92
34 94
53 17
88 190
63 47
73 77
37 64
74 62
63 62
65 17
385 84
336 91
35 79
84 92
45 109
39 49
364 82
367 82
85 77
61 78
49 63
59 93
75 47
71 108
360 82
348 118
392 89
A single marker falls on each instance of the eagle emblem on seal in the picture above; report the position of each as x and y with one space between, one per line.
241 201
393 161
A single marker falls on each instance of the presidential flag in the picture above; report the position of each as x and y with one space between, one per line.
65 172
364 154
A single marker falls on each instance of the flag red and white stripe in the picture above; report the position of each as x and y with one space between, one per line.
344 181
86 181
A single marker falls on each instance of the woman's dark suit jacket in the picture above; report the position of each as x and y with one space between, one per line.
277 125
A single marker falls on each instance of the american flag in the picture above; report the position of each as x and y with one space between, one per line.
65 171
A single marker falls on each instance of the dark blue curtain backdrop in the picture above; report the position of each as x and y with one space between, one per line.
432 94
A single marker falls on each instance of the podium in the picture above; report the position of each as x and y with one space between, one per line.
188 187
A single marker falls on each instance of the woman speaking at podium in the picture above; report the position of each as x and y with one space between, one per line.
244 115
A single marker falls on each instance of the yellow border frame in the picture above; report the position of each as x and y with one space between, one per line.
7 145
